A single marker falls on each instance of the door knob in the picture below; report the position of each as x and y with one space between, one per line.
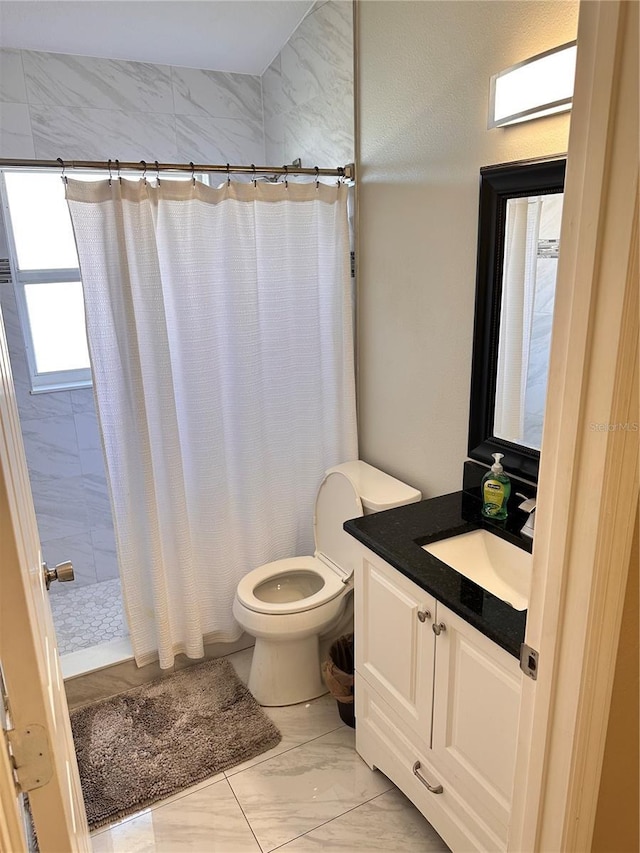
423 615
438 628
63 572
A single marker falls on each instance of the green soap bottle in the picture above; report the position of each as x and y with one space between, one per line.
496 488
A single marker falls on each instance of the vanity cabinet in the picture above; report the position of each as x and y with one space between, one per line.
437 707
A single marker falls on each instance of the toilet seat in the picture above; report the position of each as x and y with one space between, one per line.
334 560
333 585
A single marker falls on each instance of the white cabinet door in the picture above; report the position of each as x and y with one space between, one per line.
395 643
475 716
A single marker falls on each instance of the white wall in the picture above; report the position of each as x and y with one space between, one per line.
424 70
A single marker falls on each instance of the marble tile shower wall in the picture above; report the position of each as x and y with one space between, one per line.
77 107
83 108
308 91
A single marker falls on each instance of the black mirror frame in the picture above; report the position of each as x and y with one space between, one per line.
497 185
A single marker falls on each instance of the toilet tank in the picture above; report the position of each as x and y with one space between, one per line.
377 490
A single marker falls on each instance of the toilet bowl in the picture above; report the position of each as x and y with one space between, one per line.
288 604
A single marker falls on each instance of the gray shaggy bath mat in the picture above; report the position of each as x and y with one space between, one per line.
152 741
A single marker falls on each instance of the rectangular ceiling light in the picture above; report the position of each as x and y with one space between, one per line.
537 87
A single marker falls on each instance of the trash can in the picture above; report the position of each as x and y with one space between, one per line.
338 676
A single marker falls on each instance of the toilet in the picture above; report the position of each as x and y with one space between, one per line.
288 604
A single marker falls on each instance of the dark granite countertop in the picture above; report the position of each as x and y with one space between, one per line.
397 535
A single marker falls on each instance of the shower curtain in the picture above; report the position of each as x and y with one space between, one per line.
516 315
219 323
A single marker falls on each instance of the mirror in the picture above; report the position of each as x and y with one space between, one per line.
518 244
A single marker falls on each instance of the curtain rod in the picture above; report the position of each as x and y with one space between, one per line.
347 172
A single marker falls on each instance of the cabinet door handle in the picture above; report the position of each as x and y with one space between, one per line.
423 615
435 789
438 628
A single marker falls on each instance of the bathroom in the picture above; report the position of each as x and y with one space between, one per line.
422 138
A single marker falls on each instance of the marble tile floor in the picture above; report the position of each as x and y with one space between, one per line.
311 792
87 616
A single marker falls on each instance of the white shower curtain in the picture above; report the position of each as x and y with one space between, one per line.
220 331
516 315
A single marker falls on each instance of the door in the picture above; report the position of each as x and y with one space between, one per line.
41 738
395 647
475 716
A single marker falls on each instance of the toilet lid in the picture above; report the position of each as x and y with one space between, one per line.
337 501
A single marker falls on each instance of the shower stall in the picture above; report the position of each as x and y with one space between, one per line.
58 418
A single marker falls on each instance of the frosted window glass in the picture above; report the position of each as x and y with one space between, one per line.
41 223
40 217
56 317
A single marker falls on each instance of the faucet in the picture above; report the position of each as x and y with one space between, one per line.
528 505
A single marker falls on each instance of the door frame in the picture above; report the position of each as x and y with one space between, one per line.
588 486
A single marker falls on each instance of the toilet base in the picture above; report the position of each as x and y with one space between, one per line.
286 673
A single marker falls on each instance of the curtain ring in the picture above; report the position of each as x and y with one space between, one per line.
255 181
317 178
63 176
118 168
109 168
144 170
286 177
193 172
228 175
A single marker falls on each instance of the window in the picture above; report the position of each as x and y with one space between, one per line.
46 275
44 266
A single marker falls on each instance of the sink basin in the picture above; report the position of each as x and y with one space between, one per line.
498 566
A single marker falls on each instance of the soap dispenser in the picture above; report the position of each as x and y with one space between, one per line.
496 488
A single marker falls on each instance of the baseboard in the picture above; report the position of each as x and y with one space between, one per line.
107 676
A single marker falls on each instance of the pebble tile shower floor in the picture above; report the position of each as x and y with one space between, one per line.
86 616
